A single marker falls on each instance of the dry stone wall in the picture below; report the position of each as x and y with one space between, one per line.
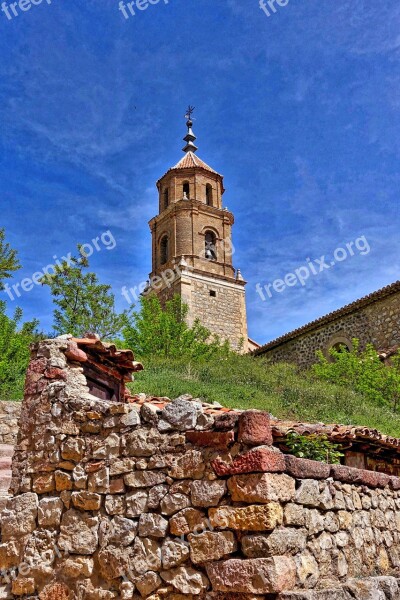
114 500
9 415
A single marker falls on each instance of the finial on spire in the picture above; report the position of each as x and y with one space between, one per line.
190 138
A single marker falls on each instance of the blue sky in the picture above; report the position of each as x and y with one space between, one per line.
299 111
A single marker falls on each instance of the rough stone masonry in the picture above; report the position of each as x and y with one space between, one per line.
113 499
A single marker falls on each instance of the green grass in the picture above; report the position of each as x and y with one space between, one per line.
247 382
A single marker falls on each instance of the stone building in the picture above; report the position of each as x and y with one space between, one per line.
192 248
373 319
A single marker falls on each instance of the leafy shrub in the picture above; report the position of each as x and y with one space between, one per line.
363 372
314 447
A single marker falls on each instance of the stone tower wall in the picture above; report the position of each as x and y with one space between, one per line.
178 502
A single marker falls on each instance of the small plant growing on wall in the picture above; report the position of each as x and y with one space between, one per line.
314 447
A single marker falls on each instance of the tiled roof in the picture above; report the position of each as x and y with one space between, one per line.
190 161
121 359
349 308
160 403
336 433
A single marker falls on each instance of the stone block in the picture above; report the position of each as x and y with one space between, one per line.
186 580
211 546
256 576
255 428
264 487
264 459
86 500
188 520
152 525
207 493
143 479
249 518
211 439
303 468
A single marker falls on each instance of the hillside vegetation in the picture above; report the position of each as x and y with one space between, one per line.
247 382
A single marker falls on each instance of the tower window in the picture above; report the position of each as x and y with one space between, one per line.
164 250
186 189
209 195
166 198
210 246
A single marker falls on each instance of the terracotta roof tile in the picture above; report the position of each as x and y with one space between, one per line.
190 161
122 359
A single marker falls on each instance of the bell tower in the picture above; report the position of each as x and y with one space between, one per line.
192 247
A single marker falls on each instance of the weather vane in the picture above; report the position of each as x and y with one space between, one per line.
189 112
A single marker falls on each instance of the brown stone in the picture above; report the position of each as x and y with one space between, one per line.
86 500
55 373
43 483
188 520
263 459
55 591
265 487
257 576
255 428
212 439
250 518
116 486
211 545
141 479
23 585
303 468
372 479
226 421
63 481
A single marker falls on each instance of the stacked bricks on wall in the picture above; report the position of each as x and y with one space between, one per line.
116 497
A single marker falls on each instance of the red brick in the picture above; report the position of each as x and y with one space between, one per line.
303 468
255 428
55 373
264 460
213 439
74 353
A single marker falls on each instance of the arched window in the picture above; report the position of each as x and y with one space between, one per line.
209 195
210 249
186 189
164 250
341 347
166 198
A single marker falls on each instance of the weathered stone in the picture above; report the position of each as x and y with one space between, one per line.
79 477
152 525
294 515
211 439
141 479
99 481
186 580
19 517
124 465
364 589
146 556
302 468
174 553
262 459
55 591
307 569
211 545
188 521
77 566
122 531
188 466
255 428
207 493
143 442
23 585
264 487
63 481
308 493
10 555
136 503
279 542
79 532
130 419
49 512
250 518
257 576
73 449
43 483
156 494
115 505
172 503
114 562
181 414
148 583
86 500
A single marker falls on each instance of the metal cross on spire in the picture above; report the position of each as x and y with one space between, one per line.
190 138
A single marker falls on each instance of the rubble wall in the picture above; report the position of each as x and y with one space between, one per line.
114 500
9 415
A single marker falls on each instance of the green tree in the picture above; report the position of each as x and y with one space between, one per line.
314 447
163 331
83 303
8 260
15 339
362 371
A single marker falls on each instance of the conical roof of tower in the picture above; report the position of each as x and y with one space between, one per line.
190 161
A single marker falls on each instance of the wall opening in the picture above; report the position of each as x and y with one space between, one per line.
209 195
164 250
210 243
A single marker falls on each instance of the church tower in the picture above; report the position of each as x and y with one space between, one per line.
192 247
